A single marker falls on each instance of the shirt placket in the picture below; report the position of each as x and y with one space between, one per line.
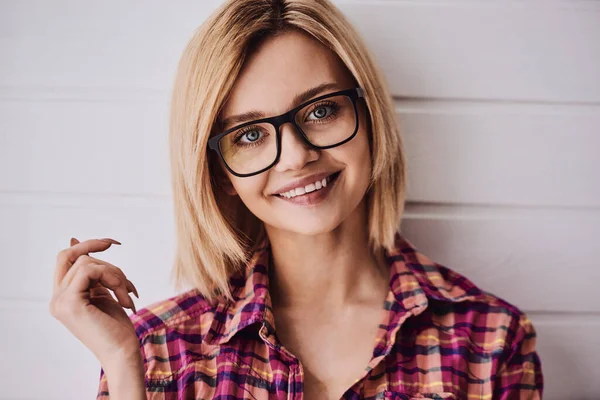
295 370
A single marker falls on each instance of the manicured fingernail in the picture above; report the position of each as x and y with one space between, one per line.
110 241
74 241
132 289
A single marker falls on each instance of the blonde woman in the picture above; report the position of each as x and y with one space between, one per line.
289 181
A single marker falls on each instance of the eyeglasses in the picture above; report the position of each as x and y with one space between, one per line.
324 122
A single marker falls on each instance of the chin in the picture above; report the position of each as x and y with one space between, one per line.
309 227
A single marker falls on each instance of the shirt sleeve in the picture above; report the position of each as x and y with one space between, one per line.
102 387
519 375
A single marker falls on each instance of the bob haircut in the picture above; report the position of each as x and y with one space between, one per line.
215 233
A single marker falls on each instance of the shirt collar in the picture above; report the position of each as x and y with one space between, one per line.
415 280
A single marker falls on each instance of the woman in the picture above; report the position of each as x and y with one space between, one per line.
289 184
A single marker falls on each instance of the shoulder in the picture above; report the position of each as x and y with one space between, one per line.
480 334
456 301
494 324
460 309
503 340
496 334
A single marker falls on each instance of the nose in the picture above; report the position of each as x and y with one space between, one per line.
295 152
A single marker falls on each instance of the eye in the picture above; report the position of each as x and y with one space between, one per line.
323 111
252 135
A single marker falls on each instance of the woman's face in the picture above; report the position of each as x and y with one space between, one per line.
278 70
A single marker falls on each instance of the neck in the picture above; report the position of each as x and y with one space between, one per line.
336 268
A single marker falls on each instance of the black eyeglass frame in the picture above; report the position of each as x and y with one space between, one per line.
354 94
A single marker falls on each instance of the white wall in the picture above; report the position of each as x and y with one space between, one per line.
499 102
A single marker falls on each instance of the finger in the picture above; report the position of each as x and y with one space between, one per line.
67 257
85 260
74 241
128 284
94 273
96 290
99 291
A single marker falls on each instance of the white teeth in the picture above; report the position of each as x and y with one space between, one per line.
311 187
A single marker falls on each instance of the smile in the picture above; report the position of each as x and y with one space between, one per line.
312 193
311 187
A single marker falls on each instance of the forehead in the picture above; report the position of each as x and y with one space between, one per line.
281 67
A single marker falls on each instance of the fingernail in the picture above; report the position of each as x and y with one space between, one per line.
74 241
132 289
110 241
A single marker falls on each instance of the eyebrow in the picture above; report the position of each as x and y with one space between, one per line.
298 99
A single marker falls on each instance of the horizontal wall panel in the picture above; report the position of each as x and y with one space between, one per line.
519 255
567 345
485 50
538 260
31 237
85 147
478 50
37 345
82 44
495 154
543 156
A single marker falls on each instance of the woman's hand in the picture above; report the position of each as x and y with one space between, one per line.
81 301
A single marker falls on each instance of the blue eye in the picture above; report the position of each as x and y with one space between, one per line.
252 134
324 111
320 112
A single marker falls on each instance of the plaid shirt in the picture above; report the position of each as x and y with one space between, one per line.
441 338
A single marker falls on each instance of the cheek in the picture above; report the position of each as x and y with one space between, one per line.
360 150
250 188
359 161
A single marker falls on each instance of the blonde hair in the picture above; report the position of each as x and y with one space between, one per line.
216 233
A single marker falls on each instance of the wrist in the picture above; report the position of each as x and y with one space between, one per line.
131 358
126 378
